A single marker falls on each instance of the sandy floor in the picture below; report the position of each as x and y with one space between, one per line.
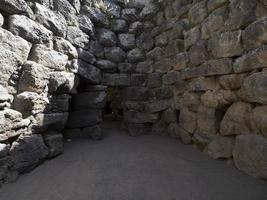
140 168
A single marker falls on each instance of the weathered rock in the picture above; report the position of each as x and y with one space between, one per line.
14 51
76 37
62 82
197 13
126 41
96 16
86 56
235 120
48 57
28 29
97 49
180 61
16 7
107 38
54 143
34 77
49 122
106 65
209 68
231 81
220 147
67 10
198 53
30 103
254 88
129 14
86 25
4 150
119 25
63 46
188 120
136 55
51 20
203 84
27 152
250 155
87 100
116 79
89 72
258 117
145 42
126 68
256 59
154 80
115 54
84 118
4 96
191 36
226 44
157 105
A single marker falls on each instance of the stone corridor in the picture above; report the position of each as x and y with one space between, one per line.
149 167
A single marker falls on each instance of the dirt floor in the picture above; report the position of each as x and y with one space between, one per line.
133 168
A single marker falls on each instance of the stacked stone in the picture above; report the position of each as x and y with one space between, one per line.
36 81
217 77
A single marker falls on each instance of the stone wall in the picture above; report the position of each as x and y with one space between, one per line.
190 69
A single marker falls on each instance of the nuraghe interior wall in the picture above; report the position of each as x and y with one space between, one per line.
194 70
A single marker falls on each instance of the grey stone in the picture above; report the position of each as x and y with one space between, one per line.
49 122
89 72
4 150
76 37
86 25
27 152
115 54
145 42
250 155
157 105
126 68
1 20
28 29
136 55
127 41
4 96
84 118
62 82
220 147
129 14
106 37
140 117
96 16
51 20
197 13
97 49
87 100
67 10
136 93
106 65
16 7
58 103
34 77
136 28
54 143
86 56
119 25
48 57
63 46
227 44
254 88
154 80
116 79
30 103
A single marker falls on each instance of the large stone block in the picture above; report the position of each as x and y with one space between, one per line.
106 37
209 68
203 84
235 120
16 7
231 81
106 65
27 152
62 82
84 118
34 77
136 93
63 46
250 155
259 120
132 116
85 24
115 54
254 88
89 100
198 53
29 30
48 57
191 36
157 105
227 44
89 72
127 41
116 79
14 51
49 122
188 120
136 55
66 9
54 143
97 17
198 12
76 37
51 20
256 59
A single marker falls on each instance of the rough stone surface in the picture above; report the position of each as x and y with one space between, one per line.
250 155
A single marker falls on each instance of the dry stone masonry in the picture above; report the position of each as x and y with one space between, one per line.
191 69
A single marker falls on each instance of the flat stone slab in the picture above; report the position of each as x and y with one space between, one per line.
120 167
